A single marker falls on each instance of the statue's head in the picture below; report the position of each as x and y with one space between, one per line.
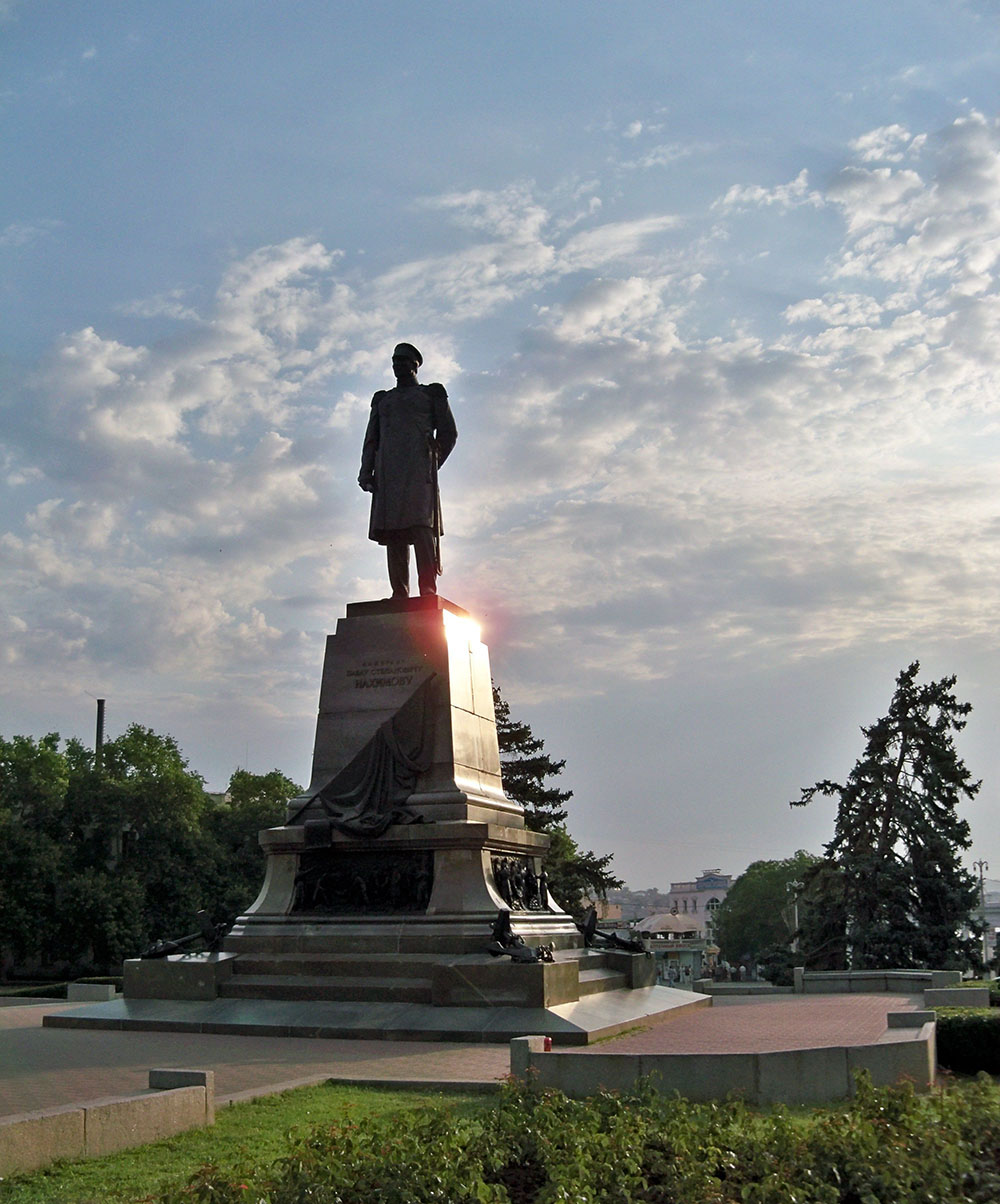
406 359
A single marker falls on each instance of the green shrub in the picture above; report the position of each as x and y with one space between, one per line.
968 1040
992 983
888 1146
49 990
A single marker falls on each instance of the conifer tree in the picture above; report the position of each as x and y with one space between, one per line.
526 766
573 874
895 852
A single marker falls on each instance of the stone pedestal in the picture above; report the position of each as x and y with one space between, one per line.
384 882
382 655
412 674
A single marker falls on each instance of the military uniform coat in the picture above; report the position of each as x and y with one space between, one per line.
410 433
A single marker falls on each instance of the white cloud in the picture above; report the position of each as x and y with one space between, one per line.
784 196
886 144
612 242
643 485
23 234
166 305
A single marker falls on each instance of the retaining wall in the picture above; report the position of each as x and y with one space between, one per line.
840 982
797 1076
177 1100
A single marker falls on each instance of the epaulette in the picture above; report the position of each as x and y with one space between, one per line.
437 391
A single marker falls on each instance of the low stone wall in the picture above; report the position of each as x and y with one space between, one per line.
177 1100
904 982
708 986
796 1076
957 997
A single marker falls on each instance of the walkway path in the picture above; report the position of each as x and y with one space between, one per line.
755 1024
47 1067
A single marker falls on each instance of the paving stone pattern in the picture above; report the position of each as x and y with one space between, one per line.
45 1068
745 1024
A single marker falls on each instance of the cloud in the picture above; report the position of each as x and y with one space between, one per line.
23 234
612 242
166 305
783 196
636 487
887 144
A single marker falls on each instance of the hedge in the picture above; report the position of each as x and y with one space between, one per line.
968 1040
887 1146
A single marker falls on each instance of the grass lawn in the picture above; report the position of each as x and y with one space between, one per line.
245 1135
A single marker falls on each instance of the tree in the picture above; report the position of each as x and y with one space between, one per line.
525 766
252 801
895 873
574 876
96 861
756 915
33 780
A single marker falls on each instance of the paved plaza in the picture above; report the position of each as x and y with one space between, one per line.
48 1067
45 1067
755 1024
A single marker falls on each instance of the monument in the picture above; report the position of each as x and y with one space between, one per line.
403 895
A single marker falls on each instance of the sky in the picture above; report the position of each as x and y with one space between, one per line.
713 288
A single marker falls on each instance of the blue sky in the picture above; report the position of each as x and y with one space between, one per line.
713 288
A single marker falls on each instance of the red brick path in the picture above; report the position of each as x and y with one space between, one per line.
754 1025
44 1068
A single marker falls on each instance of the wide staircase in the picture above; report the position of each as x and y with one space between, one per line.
385 978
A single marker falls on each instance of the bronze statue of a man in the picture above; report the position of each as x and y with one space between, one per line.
410 434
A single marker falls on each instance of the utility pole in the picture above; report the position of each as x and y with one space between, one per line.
983 866
99 740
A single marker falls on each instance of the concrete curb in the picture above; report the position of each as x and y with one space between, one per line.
794 1076
178 1100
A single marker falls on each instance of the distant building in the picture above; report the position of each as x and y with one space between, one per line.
682 956
696 902
681 938
990 913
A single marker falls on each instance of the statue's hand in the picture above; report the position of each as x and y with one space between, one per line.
367 484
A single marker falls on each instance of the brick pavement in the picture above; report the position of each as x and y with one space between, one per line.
44 1068
744 1024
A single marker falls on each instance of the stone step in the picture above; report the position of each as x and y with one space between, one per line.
594 982
346 966
342 989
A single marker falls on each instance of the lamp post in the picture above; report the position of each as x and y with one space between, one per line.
983 866
793 889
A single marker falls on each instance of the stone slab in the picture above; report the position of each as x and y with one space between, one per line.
912 1060
169 1079
500 982
957 997
571 1023
89 992
639 968
908 1020
801 1075
194 976
905 982
119 1123
35 1139
945 978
